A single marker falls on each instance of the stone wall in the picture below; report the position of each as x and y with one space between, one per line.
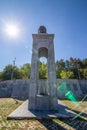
16 89
20 88
6 88
68 85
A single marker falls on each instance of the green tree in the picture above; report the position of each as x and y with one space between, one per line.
84 63
8 70
67 65
25 71
0 75
66 74
71 63
60 65
84 73
42 70
58 71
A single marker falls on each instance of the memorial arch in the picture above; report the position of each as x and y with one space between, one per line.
43 45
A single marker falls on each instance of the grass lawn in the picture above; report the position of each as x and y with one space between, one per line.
7 105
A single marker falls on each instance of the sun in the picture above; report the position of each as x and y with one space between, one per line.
12 30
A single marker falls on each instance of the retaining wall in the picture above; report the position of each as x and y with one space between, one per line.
20 88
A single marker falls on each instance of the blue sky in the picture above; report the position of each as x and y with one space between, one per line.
67 19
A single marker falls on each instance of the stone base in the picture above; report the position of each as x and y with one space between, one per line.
46 103
22 112
42 102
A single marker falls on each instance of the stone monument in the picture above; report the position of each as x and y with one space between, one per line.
43 46
42 104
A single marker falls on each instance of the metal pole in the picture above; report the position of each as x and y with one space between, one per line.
13 68
78 67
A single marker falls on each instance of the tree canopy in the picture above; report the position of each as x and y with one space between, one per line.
68 69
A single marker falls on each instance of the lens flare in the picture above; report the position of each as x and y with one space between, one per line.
70 96
62 88
12 30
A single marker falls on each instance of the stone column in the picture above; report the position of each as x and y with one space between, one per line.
43 46
33 77
52 76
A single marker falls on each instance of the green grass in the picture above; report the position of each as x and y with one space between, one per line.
8 105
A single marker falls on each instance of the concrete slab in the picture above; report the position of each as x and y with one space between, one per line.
22 112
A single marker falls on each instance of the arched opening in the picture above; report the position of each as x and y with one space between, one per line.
43 71
43 55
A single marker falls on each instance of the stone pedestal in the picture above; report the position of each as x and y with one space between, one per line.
42 102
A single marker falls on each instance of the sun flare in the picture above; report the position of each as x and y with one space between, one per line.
12 30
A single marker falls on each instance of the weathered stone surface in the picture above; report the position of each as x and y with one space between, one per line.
14 88
43 45
20 88
83 84
43 102
66 85
6 89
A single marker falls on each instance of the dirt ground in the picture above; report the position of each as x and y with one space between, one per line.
79 122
